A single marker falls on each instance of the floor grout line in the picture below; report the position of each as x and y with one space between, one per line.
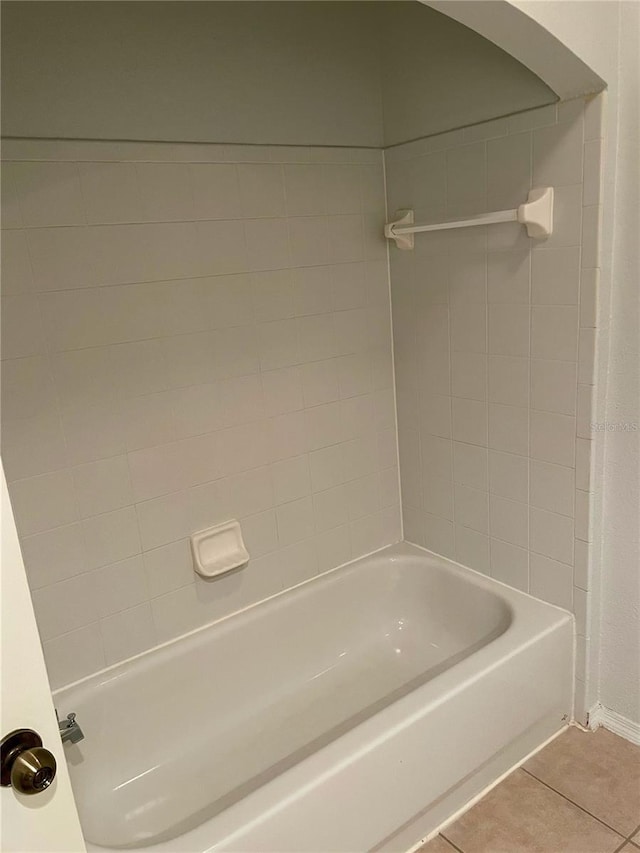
569 800
455 846
621 846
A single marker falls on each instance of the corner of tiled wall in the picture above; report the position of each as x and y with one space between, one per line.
494 337
190 333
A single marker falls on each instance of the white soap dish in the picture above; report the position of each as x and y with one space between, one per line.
218 549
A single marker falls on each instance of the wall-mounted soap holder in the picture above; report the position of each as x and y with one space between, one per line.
218 549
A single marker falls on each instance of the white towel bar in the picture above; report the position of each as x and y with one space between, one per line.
536 213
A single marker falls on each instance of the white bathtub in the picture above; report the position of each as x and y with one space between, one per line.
354 712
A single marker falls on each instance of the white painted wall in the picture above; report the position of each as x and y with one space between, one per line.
538 34
261 73
438 75
620 649
295 73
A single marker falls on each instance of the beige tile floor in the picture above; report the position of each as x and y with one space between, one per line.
581 794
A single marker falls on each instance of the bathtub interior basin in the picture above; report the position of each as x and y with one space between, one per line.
181 733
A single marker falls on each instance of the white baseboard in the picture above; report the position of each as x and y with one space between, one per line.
616 723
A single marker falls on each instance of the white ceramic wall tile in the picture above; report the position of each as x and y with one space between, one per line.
127 633
75 654
551 535
469 328
267 244
552 581
295 521
510 564
111 192
472 549
555 276
593 117
509 380
215 190
470 421
17 275
508 171
436 457
168 567
121 586
437 535
44 502
33 445
509 330
261 190
509 521
508 276
291 479
466 179
165 192
66 605
22 329
54 555
558 154
553 386
470 465
553 438
469 375
471 508
333 548
552 487
111 536
48 193
103 486
509 475
290 437
191 388
509 429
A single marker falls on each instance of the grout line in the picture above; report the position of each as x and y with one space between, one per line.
394 385
634 832
113 141
448 840
569 800
476 124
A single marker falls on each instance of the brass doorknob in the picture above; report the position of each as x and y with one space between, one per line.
24 763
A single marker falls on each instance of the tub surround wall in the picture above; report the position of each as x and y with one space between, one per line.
494 338
190 333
